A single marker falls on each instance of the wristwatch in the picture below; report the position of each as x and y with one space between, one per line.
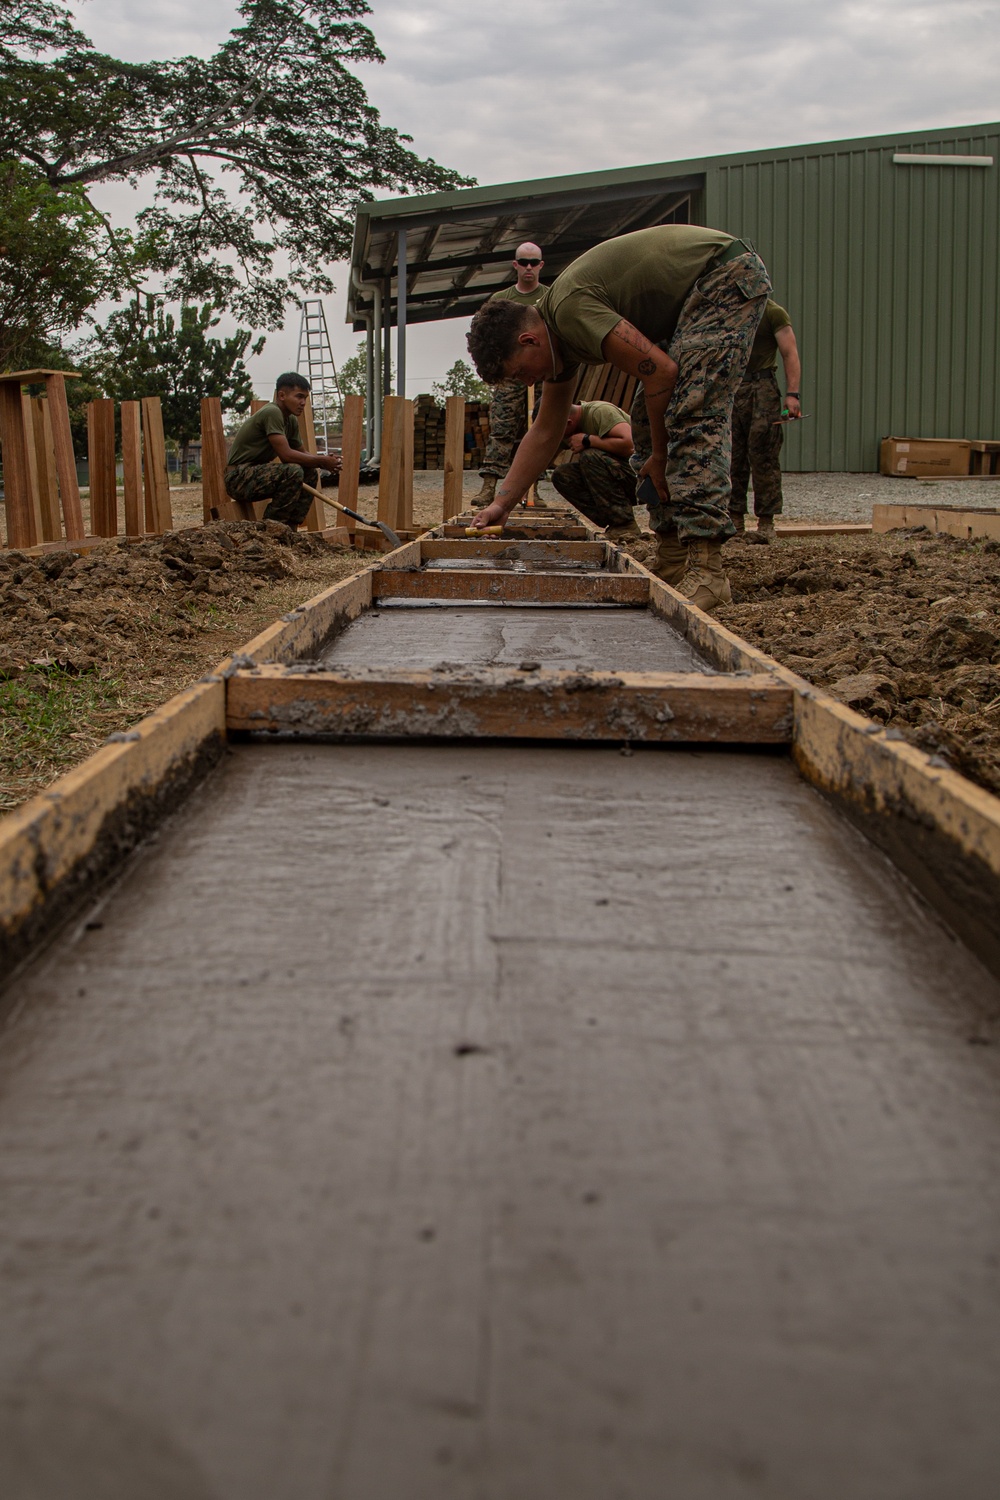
586 439
795 394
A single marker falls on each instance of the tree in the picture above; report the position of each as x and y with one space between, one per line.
53 264
461 380
275 109
146 351
353 373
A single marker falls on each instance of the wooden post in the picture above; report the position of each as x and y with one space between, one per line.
62 440
351 444
101 459
531 498
132 467
28 425
390 473
454 456
216 504
406 470
16 477
45 467
159 516
316 517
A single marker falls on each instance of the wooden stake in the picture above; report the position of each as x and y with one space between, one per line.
531 498
62 441
351 444
454 455
390 474
28 424
216 504
132 467
316 519
101 461
159 517
45 465
17 484
406 469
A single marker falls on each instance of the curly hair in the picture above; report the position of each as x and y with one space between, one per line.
492 338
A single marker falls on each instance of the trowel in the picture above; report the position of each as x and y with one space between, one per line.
386 531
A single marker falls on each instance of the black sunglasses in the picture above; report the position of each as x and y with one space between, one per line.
521 262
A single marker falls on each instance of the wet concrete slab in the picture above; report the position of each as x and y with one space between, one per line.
588 639
449 1122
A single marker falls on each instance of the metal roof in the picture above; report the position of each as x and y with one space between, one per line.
460 244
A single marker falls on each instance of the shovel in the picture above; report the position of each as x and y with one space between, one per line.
386 531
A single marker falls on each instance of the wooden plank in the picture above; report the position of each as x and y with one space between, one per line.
519 588
454 455
673 707
132 467
438 549
391 464
45 466
526 530
62 438
405 503
316 516
216 504
101 464
945 520
16 476
156 481
351 447
28 426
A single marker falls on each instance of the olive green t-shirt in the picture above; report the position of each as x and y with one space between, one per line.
526 299
251 446
642 277
599 417
764 350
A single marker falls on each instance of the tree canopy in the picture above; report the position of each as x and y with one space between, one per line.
256 156
461 380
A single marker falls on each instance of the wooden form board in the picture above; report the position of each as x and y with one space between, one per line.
32 453
16 474
101 465
132 467
439 549
45 469
454 455
504 703
156 483
351 447
316 515
395 485
512 588
945 520
216 504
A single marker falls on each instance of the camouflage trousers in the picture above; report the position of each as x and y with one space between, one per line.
757 445
601 486
711 346
281 484
508 424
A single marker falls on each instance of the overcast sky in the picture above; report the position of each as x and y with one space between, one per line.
530 88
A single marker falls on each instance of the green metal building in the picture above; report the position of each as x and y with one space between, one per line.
885 250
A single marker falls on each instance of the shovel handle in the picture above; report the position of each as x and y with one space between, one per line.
483 530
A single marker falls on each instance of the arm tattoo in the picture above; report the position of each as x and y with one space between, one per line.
647 367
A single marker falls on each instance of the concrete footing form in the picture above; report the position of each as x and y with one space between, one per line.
513 1070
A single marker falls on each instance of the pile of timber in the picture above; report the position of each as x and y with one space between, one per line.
428 433
477 432
605 383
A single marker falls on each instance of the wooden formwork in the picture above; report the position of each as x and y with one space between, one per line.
940 828
945 520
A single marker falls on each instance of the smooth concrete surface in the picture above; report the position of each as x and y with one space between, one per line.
587 639
456 1123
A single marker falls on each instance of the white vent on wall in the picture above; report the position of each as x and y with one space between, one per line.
926 159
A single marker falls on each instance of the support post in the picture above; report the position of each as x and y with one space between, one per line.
401 314
101 463
45 467
405 510
17 489
454 456
28 427
132 467
531 498
216 504
387 340
62 440
377 373
316 516
156 481
390 474
350 453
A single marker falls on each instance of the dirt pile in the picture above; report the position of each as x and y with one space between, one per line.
904 627
75 613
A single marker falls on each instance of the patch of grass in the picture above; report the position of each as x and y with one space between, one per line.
49 720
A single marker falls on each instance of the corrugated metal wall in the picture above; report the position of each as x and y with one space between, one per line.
890 274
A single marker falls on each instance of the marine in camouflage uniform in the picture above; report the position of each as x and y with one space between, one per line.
601 485
281 484
758 425
508 424
711 345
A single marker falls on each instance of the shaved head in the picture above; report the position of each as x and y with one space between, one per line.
528 248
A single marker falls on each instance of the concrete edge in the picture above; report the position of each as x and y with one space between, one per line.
57 846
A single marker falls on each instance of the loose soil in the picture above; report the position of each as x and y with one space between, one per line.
904 627
90 644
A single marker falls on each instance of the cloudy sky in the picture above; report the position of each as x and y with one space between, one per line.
530 88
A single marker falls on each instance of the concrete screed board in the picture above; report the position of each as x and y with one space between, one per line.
523 1124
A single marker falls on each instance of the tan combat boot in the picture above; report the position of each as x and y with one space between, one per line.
671 558
739 520
764 535
705 583
486 492
629 531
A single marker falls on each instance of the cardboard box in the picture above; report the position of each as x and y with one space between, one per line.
913 458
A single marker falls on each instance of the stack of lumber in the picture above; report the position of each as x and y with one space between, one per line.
428 433
605 383
477 432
